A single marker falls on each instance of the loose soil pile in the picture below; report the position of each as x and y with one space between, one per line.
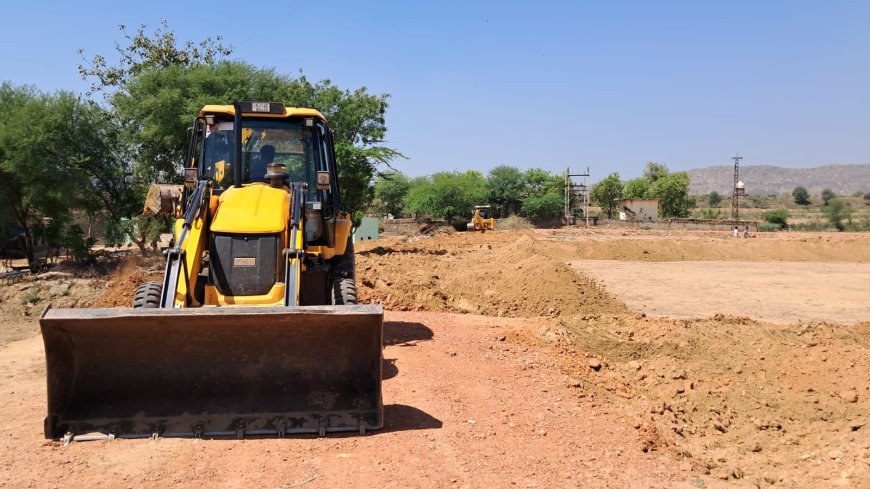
122 284
504 276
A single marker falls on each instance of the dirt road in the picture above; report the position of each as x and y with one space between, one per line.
506 367
465 407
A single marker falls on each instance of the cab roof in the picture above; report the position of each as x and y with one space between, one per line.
288 112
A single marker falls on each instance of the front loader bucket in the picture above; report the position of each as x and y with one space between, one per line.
230 371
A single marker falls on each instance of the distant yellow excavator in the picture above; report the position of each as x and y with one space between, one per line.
482 219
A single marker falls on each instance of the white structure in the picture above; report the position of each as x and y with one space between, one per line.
639 210
368 229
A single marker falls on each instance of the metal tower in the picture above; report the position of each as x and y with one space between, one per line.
737 190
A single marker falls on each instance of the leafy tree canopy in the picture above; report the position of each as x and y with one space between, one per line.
391 188
838 211
145 52
636 188
801 196
654 171
157 88
447 195
57 152
506 187
714 199
672 190
547 205
778 216
607 192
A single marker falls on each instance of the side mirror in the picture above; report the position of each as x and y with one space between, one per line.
323 180
191 176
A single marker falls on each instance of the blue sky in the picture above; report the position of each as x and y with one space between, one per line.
609 84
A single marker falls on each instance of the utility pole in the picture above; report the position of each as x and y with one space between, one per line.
737 190
572 189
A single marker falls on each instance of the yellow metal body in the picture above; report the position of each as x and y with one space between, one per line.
205 364
255 208
481 223
288 112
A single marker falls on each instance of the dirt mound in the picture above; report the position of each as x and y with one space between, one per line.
122 284
735 397
494 276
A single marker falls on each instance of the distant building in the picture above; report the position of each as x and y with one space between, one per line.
646 210
368 229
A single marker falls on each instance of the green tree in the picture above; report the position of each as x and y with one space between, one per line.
546 205
145 52
391 188
867 198
506 186
655 171
158 88
838 211
801 196
607 192
160 105
827 195
672 190
543 195
637 188
538 181
447 195
778 217
57 153
714 199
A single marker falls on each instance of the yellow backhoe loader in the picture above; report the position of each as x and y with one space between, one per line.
254 329
482 219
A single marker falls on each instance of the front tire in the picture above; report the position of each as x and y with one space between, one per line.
148 295
344 291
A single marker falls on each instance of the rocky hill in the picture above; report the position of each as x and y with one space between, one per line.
770 180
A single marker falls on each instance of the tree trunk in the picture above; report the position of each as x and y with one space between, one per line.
29 250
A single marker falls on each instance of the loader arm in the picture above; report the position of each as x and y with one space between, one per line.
295 253
181 266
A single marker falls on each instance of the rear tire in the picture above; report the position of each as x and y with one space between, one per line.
148 295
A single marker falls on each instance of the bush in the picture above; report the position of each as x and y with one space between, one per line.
714 199
710 213
815 225
548 205
79 246
769 227
838 211
31 297
801 196
514 222
778 217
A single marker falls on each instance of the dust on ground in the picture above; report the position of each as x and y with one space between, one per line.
513 369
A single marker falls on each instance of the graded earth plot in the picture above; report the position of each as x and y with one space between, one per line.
776 292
